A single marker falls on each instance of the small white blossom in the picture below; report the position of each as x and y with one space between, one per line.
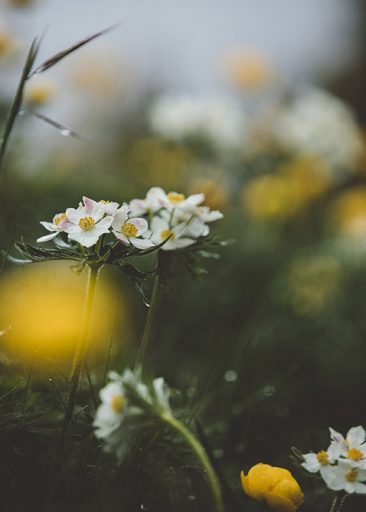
178 236
87 223
130 230
345 477
353 447
58 224
315 462
155 199
108 207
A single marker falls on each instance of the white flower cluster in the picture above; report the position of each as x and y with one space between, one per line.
343 465
220 121
317 123
143 223
124 401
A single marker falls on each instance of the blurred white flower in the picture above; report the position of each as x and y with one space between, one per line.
130 230
317 123
220 121
87 223
112 410
128 404
155 199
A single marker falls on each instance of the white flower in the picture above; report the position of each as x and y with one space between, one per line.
87 223
345 477
112 410
353 447
178 236
155 199
219 120
108 207
317 123
129 230
58 224
315 462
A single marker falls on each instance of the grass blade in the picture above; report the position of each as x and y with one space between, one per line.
18 98
64 53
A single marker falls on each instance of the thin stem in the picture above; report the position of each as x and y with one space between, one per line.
333 508
202 456
140 359
341 503
91 387
81 347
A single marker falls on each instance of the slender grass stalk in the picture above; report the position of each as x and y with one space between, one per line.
81 348
140 359
202 457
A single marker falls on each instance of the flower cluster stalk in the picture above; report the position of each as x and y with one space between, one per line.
81 348
201 454
140 359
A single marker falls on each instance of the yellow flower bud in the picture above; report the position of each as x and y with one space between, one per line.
274 485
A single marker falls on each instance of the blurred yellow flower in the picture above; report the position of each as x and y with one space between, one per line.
216 194
313 282
43 306
276 486
248 69
39 91
7 42
347 214
289 189
155 161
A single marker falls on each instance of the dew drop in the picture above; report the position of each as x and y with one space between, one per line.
65 132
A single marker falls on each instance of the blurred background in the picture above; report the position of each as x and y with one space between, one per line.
259 105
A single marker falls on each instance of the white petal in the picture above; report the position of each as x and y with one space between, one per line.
103 225
90 204
141 225
123 238
311 463
120 218
360 488
49 226
158 225
141 243
75 215
356 436
46 238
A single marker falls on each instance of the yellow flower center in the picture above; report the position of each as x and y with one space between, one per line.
87 223
174 197
59 218
129 229
354 454
105 201
323 458
167 233
117 403
352 475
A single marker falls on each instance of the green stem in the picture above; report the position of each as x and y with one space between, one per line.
81 347
202 456
140 359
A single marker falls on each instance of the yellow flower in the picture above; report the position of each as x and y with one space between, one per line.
347 214
248 69
39 91
274 485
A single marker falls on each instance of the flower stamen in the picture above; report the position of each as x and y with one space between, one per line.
352 475
167 233
117 403
175 198
323 457
87 223
129 230
354 454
